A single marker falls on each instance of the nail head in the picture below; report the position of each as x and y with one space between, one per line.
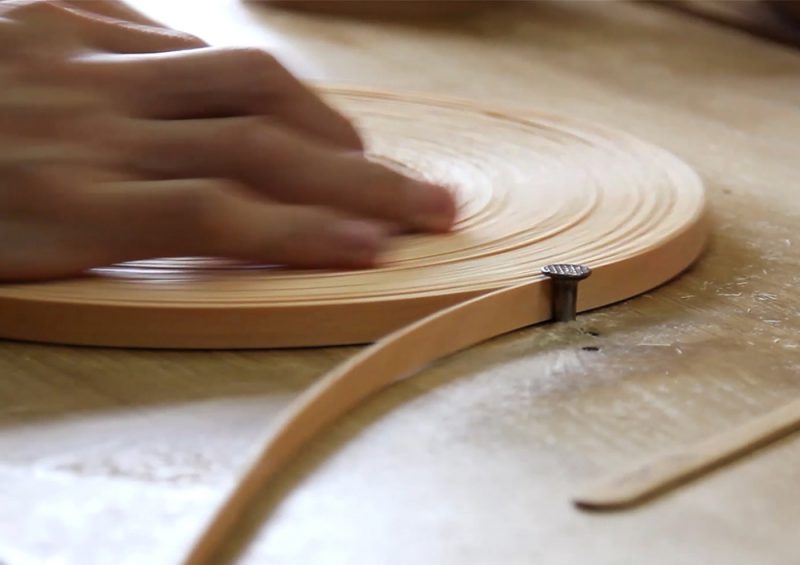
566 271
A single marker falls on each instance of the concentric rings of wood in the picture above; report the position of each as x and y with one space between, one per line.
532 190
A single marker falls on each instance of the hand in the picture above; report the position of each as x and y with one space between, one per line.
124 140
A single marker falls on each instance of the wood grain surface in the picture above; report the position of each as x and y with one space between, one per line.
114 456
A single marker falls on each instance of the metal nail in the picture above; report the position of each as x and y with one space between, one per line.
565 279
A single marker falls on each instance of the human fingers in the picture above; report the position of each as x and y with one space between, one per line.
38 234
18 38
125 221
94 30
288 167
113 9
48 113
217 82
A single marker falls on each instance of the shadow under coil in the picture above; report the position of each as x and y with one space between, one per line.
532 189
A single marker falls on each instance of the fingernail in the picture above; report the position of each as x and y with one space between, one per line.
431 206
359 242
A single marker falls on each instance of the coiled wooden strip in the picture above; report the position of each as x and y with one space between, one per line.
532 189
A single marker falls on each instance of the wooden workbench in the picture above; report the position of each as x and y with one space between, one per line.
118 457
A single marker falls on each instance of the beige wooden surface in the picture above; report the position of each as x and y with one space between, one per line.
117 457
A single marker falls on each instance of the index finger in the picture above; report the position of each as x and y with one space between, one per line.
218 82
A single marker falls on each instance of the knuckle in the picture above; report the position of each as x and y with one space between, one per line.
71 101
31 190
254 143
254 58
32 32
48 114
264 68
33 8
244 133
105 140
206 209
27 162
380 175
91 110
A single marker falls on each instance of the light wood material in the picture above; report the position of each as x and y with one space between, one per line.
405 352
532 189
672 469
122 456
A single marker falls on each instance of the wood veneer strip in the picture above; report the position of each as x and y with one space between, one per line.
647 480
403 353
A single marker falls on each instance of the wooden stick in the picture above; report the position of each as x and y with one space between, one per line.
677 467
